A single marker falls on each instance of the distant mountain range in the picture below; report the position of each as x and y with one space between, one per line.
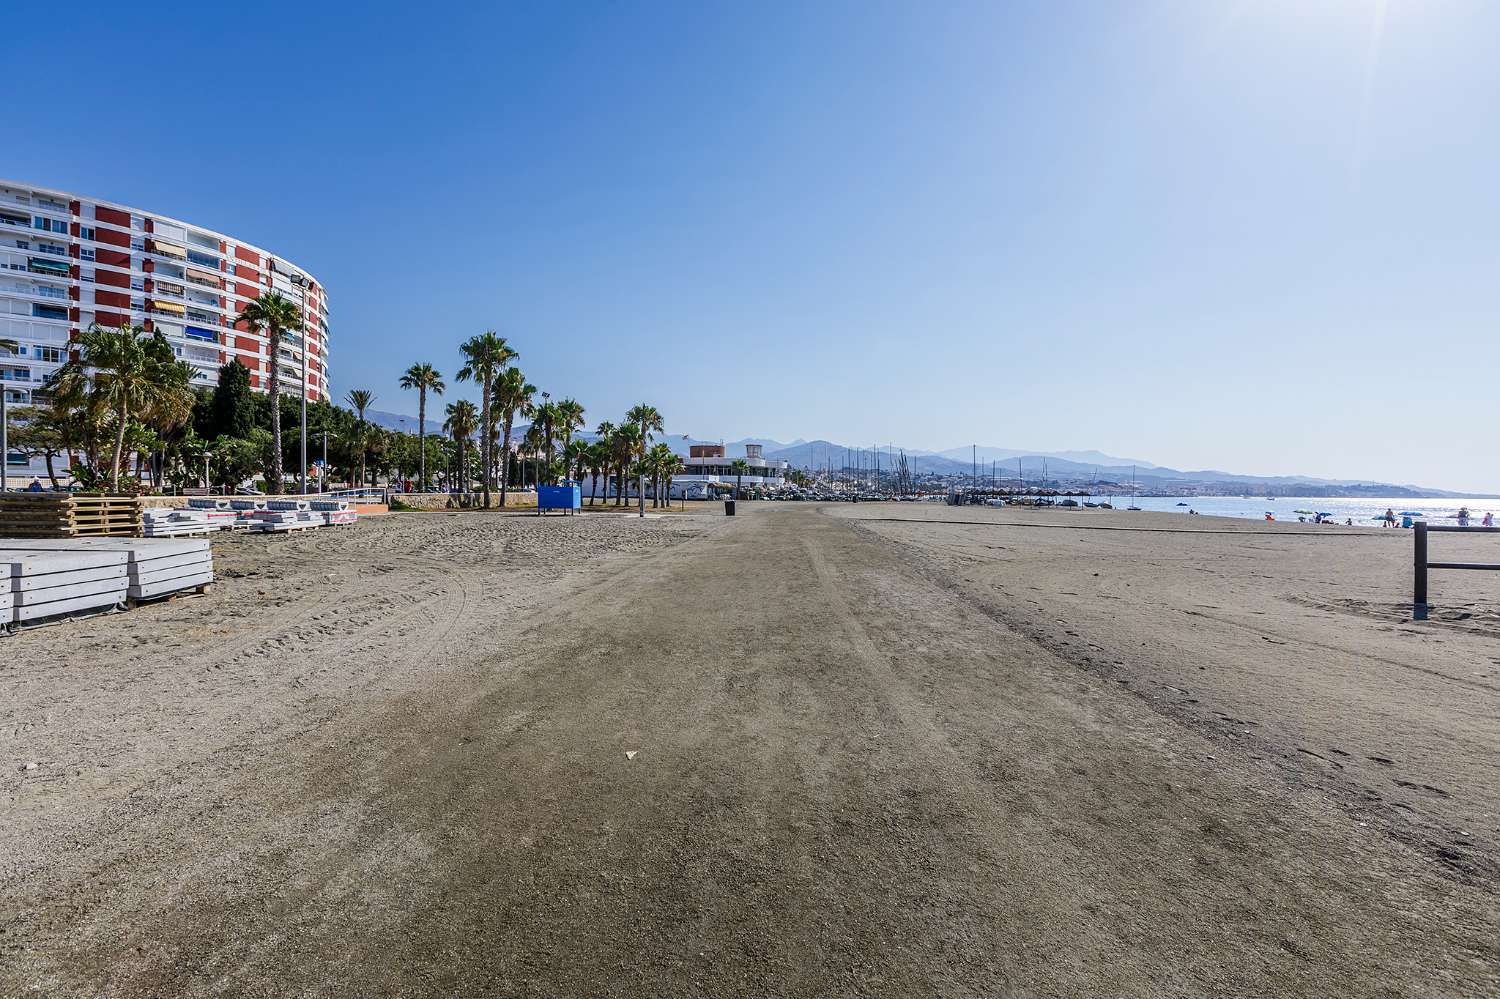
1071 466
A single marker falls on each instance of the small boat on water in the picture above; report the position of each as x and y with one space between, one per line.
1182 504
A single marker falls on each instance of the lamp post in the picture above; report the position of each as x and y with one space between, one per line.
4 443
301 282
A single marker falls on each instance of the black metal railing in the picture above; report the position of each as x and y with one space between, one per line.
1420 564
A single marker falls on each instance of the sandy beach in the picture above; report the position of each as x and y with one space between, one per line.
811 750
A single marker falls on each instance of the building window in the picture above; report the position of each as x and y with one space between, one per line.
86 232
203 259
87 273
49 355
86 253
48 312
137 244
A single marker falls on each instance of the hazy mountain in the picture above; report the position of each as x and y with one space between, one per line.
1073 466
962 454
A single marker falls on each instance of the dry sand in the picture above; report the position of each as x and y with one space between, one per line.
871 758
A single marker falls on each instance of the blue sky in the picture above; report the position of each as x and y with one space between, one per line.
1252 236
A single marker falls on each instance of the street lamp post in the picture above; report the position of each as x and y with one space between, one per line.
301 282
4 443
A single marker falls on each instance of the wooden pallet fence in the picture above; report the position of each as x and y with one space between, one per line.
68 515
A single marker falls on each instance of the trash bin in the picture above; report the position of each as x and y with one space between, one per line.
729 508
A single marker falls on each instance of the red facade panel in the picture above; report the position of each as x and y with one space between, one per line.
113 258
111 237
245 290
243 254
246 343
112 216
112 279
113 299
111 319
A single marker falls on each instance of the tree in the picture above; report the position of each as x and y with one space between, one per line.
41 432
604 437
598 463
424 378
575 459
361 400
463 420
513 395
569 420
274 315
670 466
131 373
547 417
739 466
656 467
231 411
648 418
486 356
628 444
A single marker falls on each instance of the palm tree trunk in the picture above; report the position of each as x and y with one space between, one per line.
422 439
485 444
114 467
510 423
273 470
51 474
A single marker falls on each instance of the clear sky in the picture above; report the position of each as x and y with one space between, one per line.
1254 236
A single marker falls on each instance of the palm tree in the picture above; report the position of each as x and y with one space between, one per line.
604 436
547 417
569 420
486 357
670 466
533 444
11 345
424 378
462 422
598 463
739 466
627 445
274 315
134 374
575 459
361 400
647 417
656 467
513 394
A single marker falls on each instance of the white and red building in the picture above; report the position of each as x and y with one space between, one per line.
68 261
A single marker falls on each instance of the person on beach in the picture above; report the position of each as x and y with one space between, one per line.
1488 521
1390 517
1463 516
1270 516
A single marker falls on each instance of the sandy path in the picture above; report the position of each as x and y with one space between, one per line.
851 779
1284 647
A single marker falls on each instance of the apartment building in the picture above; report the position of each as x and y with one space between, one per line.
68 260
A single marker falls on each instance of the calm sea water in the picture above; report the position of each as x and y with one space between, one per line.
1361 511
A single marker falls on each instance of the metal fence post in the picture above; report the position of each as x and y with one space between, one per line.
1419 572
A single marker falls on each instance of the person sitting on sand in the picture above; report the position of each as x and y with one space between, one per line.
1348 521
1270 516
1488 521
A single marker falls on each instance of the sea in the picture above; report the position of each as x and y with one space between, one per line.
1361 510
